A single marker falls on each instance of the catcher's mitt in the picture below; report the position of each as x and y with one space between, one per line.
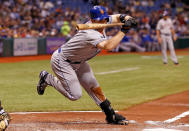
4 121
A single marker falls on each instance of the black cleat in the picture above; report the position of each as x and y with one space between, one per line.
117 119
176 63
42 84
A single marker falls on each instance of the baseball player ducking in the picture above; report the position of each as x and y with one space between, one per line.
165 35
69 63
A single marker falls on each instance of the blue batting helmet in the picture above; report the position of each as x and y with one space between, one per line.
98 13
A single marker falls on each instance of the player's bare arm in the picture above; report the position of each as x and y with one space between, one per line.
114 41
158 36
173 34
111 43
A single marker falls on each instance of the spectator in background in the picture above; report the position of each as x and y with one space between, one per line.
59 22
43 33
110 32
155 44
130 43
147 39
65 29
45 17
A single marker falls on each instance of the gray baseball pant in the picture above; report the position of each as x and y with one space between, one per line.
69 77
167 40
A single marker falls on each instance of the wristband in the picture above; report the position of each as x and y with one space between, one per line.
122 18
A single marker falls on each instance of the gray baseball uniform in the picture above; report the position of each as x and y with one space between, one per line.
164 26
69 63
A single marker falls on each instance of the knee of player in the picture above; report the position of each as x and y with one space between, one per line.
76 96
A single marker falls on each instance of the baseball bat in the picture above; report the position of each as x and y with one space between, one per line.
96 26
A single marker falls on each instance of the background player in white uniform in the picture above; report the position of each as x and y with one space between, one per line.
165 35
69 63
4 119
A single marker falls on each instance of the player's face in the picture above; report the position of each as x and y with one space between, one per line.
165 17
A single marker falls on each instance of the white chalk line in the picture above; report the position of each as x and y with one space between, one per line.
184 114
157 57
51 112
180 57
150 57
160 129
170 104
116 71
171 120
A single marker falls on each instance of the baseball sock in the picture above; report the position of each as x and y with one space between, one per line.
108 110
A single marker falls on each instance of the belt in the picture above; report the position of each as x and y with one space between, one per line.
165 34
69 61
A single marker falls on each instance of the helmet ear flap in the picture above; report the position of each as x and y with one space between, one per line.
107 19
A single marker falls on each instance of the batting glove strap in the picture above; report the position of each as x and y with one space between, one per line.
122 18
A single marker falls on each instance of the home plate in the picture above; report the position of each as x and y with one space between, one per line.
160 129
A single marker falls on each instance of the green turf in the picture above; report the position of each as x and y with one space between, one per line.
150 81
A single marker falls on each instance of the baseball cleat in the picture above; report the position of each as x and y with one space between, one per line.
42 84
117 119
123 122
176 63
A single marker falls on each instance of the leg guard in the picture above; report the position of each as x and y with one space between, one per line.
111 116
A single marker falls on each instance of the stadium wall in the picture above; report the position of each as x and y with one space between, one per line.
40 46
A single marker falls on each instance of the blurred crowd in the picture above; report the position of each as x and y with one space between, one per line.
53 18
147 13
37 18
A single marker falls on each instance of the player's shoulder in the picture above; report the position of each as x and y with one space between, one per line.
161 20
169 19
89 34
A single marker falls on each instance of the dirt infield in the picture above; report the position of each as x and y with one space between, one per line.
170 113
157 115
